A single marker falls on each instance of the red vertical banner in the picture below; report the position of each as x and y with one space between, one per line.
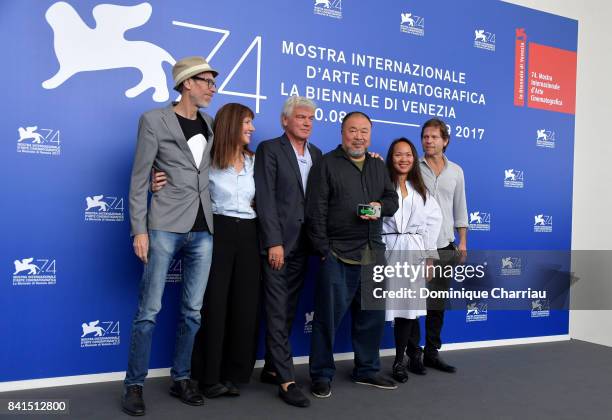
552 79
520 66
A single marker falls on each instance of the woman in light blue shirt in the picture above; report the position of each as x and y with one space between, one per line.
224 350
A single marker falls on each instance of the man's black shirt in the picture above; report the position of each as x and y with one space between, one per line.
191 128
335 189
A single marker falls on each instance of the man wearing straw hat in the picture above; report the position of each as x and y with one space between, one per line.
176 140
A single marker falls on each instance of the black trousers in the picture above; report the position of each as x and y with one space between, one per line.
281 293
225 345
435 307
407 333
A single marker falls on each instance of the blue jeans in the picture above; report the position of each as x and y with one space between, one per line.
197 255
338 288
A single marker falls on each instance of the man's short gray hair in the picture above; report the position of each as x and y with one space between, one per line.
296 101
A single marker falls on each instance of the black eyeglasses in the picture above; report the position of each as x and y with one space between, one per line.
211 83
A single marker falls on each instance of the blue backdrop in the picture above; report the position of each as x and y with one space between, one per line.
69 127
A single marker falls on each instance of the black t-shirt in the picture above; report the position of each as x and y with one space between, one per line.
196 134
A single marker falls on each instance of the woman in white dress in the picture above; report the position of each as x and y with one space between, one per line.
410 236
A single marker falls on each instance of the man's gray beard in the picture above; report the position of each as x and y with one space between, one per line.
355 154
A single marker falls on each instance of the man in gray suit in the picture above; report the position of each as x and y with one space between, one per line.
176 140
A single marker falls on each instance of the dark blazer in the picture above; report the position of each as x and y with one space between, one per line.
279 193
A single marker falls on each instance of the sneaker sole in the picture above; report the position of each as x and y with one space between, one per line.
376 386
132 413
321 395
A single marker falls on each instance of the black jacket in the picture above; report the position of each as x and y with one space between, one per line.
279 193
336 188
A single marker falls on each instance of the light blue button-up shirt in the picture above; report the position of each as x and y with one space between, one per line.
304 163
232 193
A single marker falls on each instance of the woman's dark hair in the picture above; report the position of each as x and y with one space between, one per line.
228 134
414 176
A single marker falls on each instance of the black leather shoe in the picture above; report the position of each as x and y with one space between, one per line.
214 391
132 402
187 392
232 389
439 364
321 389
399 373
415 364
293 396
267 378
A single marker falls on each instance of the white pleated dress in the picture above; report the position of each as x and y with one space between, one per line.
414 228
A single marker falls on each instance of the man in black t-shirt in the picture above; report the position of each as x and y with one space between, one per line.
176 140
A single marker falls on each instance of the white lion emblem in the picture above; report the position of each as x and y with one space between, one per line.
80 48
26 265
92 327
407 18
542 135
29 133
479 35
507 263
96 201
472 309
475 217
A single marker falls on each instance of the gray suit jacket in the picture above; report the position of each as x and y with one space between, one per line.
161 144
